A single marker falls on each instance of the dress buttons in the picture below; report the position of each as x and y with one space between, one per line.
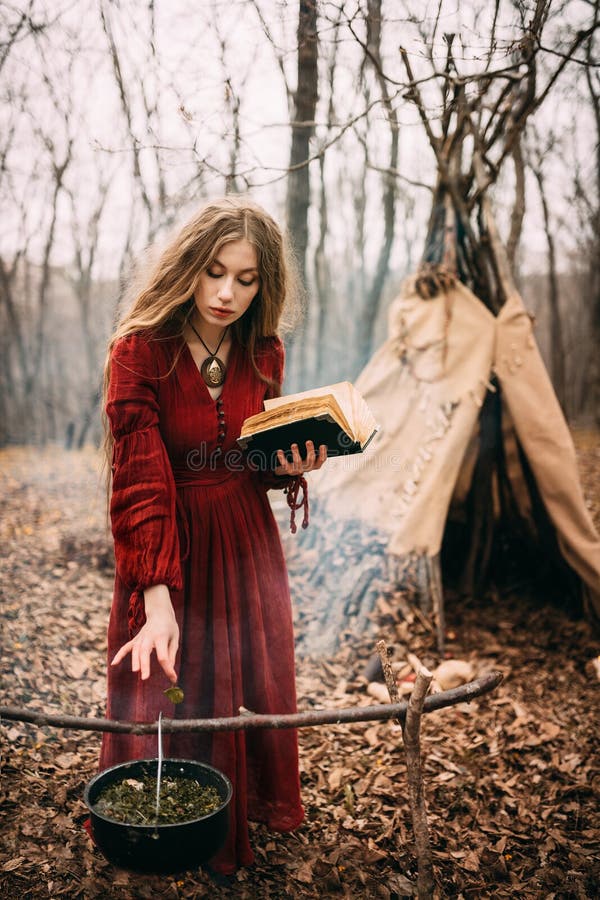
220 421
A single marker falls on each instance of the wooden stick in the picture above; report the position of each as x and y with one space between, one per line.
462 694
411 734
411 727
499 254
434 579
388 673
414 662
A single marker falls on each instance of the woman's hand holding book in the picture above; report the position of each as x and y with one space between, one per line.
297 465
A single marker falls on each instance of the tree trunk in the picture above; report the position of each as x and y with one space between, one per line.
373 298
298 188
323 371
557 350
518 210
321 269
594 280
305 103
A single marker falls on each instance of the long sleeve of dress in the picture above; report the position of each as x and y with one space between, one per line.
290 484
143 501
277 362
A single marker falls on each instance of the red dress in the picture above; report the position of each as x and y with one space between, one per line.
188 511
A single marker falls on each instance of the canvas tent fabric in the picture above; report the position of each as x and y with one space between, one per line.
546 440
426 386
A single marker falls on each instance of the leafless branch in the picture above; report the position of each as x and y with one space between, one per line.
279 56
126 107
588 64
396 173
416 794
465 693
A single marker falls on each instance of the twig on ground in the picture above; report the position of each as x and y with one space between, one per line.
411 727
412 744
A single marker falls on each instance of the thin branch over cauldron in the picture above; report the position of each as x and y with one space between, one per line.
462 694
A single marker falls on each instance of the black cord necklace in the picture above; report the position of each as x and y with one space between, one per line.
213 369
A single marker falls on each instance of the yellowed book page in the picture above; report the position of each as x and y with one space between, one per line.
351 401
342 391
295 411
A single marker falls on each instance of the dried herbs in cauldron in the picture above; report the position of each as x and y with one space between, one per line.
133 801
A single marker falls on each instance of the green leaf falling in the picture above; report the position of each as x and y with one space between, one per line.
174 694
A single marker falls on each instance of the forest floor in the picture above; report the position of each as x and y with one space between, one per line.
512 779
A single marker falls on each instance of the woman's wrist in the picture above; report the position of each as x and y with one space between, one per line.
157 600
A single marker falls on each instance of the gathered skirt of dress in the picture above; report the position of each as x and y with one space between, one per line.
237 650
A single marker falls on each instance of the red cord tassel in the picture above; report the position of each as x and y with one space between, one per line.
291 492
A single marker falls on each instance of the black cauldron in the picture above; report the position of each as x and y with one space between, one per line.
160 849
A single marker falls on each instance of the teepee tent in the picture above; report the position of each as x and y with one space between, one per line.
473 447
473 472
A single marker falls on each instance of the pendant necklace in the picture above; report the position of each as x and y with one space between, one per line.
213 369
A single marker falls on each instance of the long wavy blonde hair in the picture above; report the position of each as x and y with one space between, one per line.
161 294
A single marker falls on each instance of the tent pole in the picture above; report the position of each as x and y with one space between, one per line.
499 255
434 581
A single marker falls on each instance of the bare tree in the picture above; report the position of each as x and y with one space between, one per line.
322 271
593 84
305 103
85 237
28 323
372 60
557 349
298 184
518 210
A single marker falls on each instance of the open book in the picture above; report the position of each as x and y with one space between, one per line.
335 415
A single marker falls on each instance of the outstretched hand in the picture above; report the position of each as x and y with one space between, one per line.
159 634
299 466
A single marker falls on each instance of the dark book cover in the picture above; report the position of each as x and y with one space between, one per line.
262 446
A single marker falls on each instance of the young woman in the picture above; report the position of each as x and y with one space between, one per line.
201 593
